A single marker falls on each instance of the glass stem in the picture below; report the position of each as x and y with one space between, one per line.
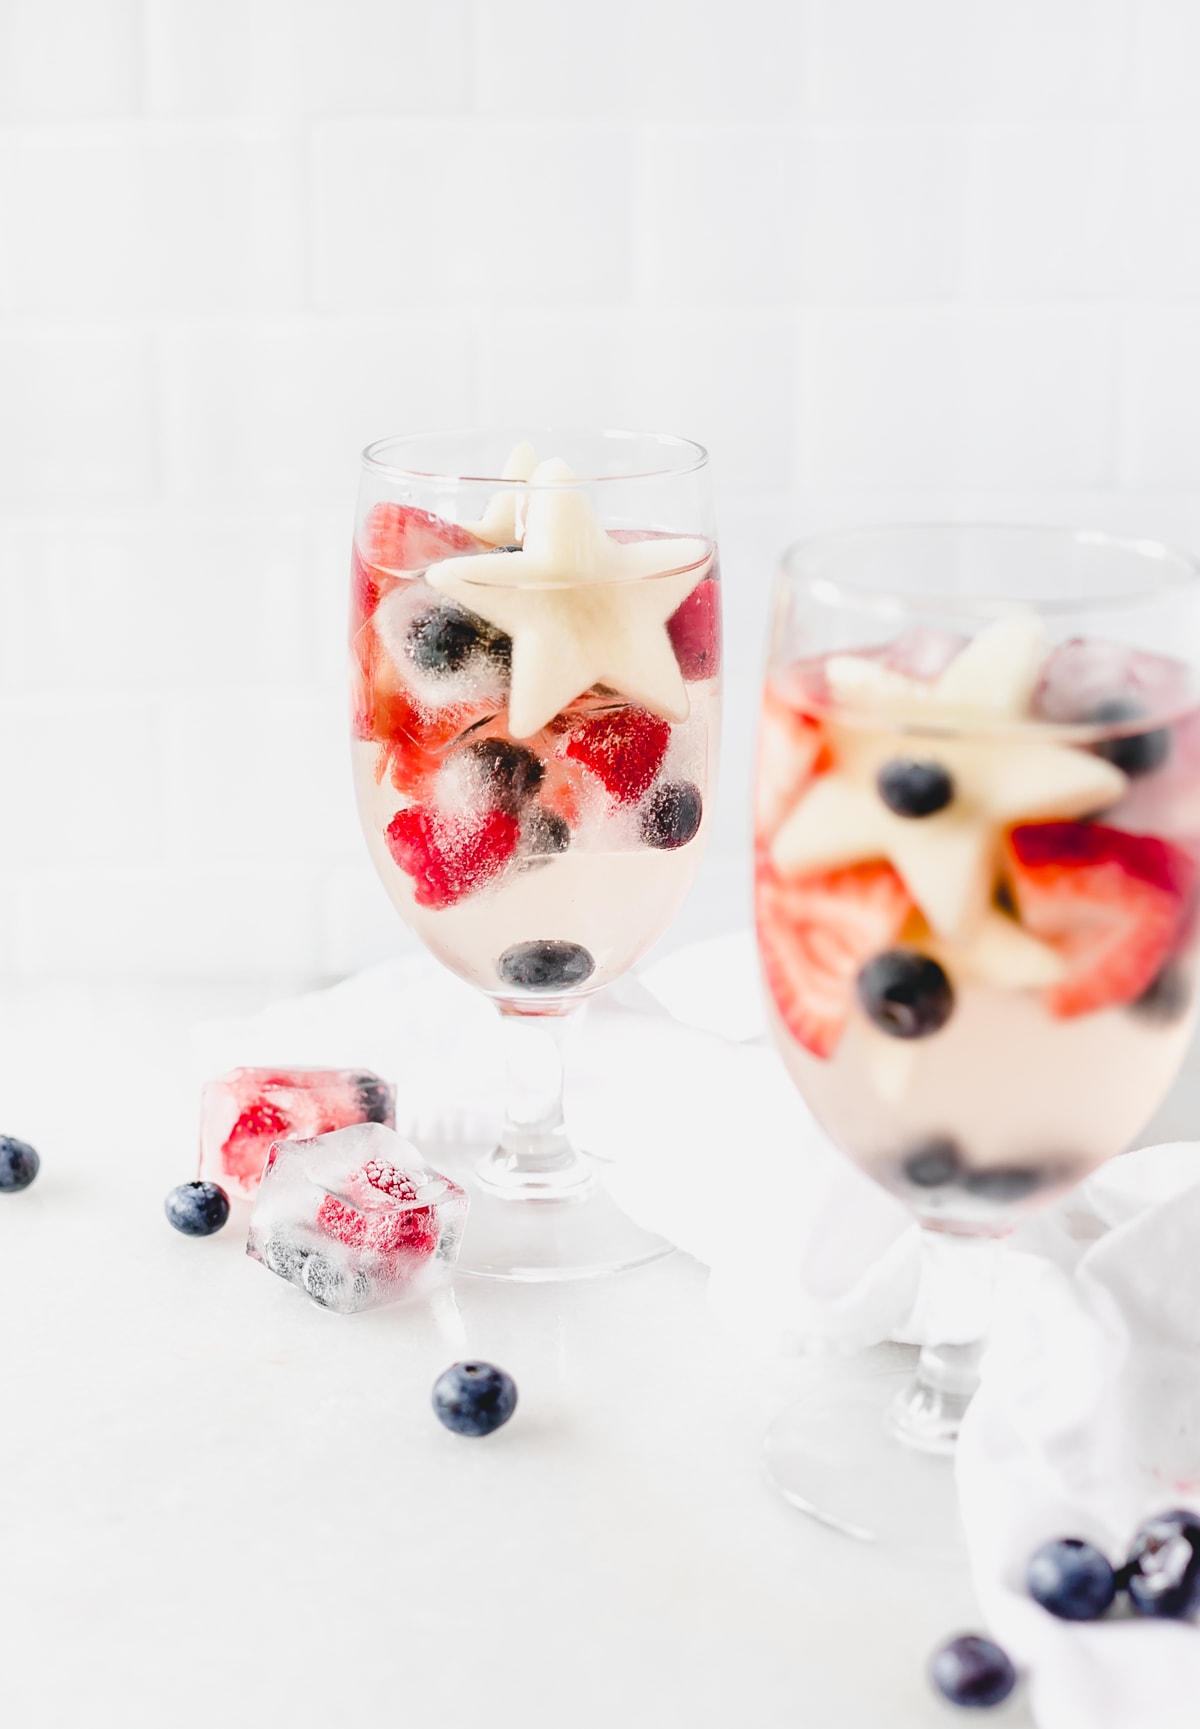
534 1158
957 1290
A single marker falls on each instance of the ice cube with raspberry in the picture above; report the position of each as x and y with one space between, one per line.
355 1219
244 1112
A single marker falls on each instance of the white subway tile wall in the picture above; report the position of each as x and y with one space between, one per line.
887 260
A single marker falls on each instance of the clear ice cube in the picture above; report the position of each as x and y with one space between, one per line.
244 1112
355 1219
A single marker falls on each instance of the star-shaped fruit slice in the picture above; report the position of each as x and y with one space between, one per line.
936 802
500 523
581 608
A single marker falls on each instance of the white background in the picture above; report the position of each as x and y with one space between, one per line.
886 257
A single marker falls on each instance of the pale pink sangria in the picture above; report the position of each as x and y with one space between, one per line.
534 666
977 863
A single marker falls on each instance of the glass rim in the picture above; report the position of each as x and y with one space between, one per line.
878 597
373 456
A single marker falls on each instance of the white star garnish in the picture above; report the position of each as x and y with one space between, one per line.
581 608
499 523
948 860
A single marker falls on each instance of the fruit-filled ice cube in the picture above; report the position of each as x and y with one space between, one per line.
976 904
244 1112
355 1219
534 710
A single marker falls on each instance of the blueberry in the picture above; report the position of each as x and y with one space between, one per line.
19 1165
933 1164
1166 998
332 1287
1071 1579
546 966
1139 752
197 1209
474 1398
671 815
1163 1569
912 788
506 775
1003 1184
905 994
375 1099
973 1671
544 831
445 638
285 1258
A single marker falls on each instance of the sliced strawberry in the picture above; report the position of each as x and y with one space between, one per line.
398 538
249 1140
450 857
1113 904
790 751
815 933
623 748
695 631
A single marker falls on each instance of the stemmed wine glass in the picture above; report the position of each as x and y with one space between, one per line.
976 840
534 655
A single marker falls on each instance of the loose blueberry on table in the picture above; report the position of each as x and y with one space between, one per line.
973 1672
1162 1572
197 1209
1072 1579
474 1398
19 1165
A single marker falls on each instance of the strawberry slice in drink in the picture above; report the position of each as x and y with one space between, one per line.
815 933
791 750
398 540
695 632
1113 904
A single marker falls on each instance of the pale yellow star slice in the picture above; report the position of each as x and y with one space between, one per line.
581 608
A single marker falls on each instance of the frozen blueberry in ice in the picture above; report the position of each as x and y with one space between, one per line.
905 994
446 637
671 815
19 1164
546 966
197 1209
1163 1569
375 1098
285 1257
1004 1184
1138 752
1071 1579
544 832
914 788
1166 999
933 1164
474 1398
973 1671
332 1286
505 776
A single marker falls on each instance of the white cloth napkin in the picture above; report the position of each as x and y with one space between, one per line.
1089 1417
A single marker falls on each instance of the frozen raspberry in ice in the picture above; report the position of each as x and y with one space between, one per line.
450 856
1081 679
356 1219
246 1110
623 748
398 539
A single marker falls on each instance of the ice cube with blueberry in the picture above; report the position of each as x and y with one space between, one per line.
355 1219
244 1112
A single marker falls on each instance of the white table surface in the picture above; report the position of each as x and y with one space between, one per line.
219 1504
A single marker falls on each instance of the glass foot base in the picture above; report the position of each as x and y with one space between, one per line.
542 1240
833 1454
